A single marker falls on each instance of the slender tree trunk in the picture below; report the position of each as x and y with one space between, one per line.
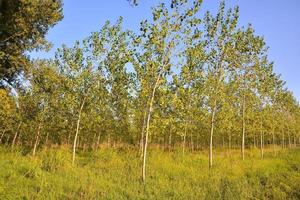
47 138
164 143
170 140
7 139
77 131
16 135
290 144
84 147
36 139
146 143
68 139
244 127
108 140
147 128
262 144
211 134
3 132
282 140
197 142
143 133
98 141
184 138
192 143
261 140
273 138
114 144
223 142
93 143
229 143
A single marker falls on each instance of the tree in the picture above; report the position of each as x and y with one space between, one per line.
7 113
156 48
23 25
246 50
218 36
77 82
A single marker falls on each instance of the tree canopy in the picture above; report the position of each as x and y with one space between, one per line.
23 26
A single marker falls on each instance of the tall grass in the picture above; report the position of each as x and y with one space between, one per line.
115 174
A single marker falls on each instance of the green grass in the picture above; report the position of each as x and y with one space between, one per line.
115 174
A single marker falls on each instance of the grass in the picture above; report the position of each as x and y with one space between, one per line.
115 174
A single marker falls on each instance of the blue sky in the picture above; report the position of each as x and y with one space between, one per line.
278 21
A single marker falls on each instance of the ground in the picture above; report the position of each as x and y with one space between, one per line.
115 174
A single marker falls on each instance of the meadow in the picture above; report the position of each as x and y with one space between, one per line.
115 174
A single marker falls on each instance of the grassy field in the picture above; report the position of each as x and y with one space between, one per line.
115 174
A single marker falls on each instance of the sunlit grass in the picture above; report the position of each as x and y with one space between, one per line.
115 174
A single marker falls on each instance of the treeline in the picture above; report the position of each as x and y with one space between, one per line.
184 80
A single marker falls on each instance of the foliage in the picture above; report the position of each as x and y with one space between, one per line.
23 25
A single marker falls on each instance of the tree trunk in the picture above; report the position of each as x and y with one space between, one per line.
7 139
77 131
229 143
273 138
244 127
47 138
223 142
98 141
147 129
108 140
3 132
170 139
184 138
197 142
84 147
211 134
192 143
16 135
261 144
36 139
143 134
68 139
290 144
283 140
261 140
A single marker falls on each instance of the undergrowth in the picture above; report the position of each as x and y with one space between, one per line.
115 174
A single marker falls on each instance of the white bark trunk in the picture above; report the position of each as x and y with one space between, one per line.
77 131
98 141
36 139
244 128
143 134
273 140
147 129
211 135
3 132
16 135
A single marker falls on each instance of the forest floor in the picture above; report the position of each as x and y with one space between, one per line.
115 174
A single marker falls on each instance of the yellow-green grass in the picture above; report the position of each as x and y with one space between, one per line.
115 174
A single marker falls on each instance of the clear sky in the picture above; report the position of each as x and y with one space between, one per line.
278 21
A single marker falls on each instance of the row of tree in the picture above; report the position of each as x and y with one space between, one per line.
184 79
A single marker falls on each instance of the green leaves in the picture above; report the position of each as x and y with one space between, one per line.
24 24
